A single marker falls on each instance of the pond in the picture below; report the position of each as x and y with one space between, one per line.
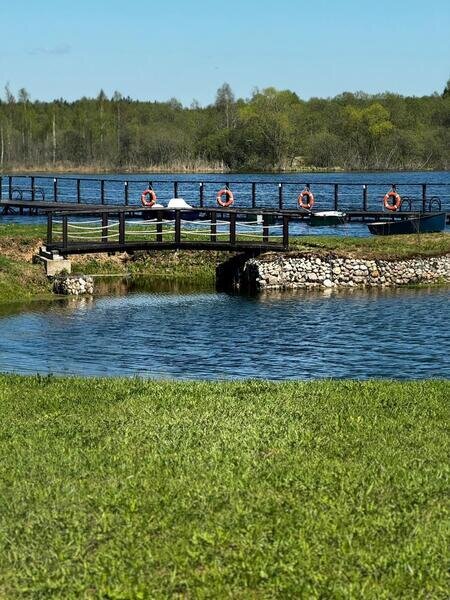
400 333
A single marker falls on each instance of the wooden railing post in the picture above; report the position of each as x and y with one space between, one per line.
55 189
10 183
177 227
336 196
175 189
49 228
102 191
159 227
201 190
104 227
32 187
253 195
1 187
121 228
265 229
125 191
280 196
213 227
285 232
424 197
365 197
78 191
64 231
232 228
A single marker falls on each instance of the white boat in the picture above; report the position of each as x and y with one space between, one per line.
327 217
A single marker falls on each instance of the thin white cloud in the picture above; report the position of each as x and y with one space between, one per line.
58 50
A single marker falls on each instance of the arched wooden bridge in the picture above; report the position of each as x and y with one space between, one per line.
249 230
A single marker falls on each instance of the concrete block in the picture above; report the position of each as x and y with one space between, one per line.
54 265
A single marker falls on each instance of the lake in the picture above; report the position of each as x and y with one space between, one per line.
401 333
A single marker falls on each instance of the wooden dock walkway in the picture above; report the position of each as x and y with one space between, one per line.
38 193
44 206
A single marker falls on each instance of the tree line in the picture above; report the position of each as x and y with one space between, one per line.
271 130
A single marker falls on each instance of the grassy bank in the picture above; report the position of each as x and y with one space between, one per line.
21 281
377 247
133 489
175 167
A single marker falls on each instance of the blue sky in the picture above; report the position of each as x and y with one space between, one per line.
158 50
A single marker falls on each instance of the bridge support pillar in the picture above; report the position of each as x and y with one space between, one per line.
54 263
229 274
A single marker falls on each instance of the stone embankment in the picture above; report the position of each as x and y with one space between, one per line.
73 285
330 271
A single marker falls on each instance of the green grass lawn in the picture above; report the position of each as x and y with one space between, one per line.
133 489
21 281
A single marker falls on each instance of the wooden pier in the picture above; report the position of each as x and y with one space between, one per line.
43 207
37 193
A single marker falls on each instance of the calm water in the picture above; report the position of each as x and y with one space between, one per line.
400 333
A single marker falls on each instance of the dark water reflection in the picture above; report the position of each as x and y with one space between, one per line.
394 333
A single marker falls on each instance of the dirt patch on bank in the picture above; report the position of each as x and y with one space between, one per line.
20 249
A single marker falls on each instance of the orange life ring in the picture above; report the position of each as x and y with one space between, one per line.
397 202
230 198
310 203
151 197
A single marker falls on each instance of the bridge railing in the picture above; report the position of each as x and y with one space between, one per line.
337 194
111 230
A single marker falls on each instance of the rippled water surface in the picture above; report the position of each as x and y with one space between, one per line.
397 333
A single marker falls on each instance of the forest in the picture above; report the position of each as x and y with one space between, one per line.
272 130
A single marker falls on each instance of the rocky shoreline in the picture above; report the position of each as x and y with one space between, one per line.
304 270
290 271
73 285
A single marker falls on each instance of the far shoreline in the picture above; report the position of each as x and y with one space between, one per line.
72 170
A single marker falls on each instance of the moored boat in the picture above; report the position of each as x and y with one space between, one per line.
424 223
251 218
189 213
327 217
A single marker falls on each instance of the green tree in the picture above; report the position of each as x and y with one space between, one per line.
225 103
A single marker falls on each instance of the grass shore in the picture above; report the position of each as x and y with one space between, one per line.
131 489
20 280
